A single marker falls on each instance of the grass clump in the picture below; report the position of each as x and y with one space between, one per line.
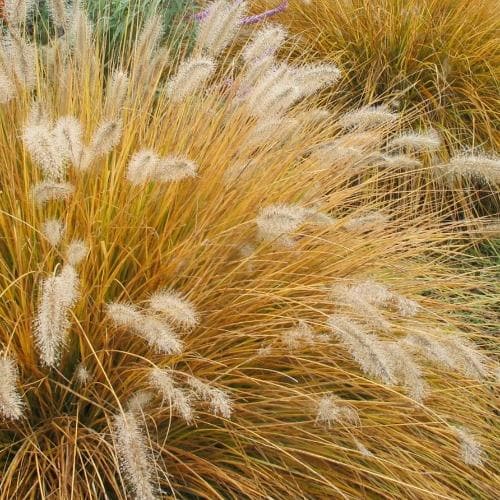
439 56
192 304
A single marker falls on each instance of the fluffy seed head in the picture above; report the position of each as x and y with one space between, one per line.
106 137
401 161
191 76
82 375
331 410
427 141
58 295
45 149
369 222
481 167
11 403
175 168
276 222
407 371
7 88
299 336
134 455
219 400
470 449
367 350
142 167
68 139
163 381
53 230
156 332
15 11
218 28
58 12
264 44
175 308
49 190
368 117
138 402
116 93
76 252
313 77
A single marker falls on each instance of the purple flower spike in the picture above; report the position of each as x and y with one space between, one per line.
264 15
257 18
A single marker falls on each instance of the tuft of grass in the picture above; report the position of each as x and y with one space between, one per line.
170 267
440 56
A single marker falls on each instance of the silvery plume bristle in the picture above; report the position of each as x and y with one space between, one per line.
11 403
51 328
156 332
134 455
175 307
331 410
163 381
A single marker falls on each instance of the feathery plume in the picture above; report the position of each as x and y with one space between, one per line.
427 141
191 76
430 348
482 167
367 350
332 410
15 11
80 31
40 140
58 295
379 295
274 92
175 168
178 399
401 161
11 403
142 167
76 252
333 153
407 371
299 336
18 59
149 39
360 305
82 375
7 88
116 93
219 400
272 131
68 140
58 12
368 117
470 449
369 222
468 360
138 402
157 333
53 230
175 308
313 116
276 222
134 455
450 351
220 25
265 43
48 190
312 77
104 139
